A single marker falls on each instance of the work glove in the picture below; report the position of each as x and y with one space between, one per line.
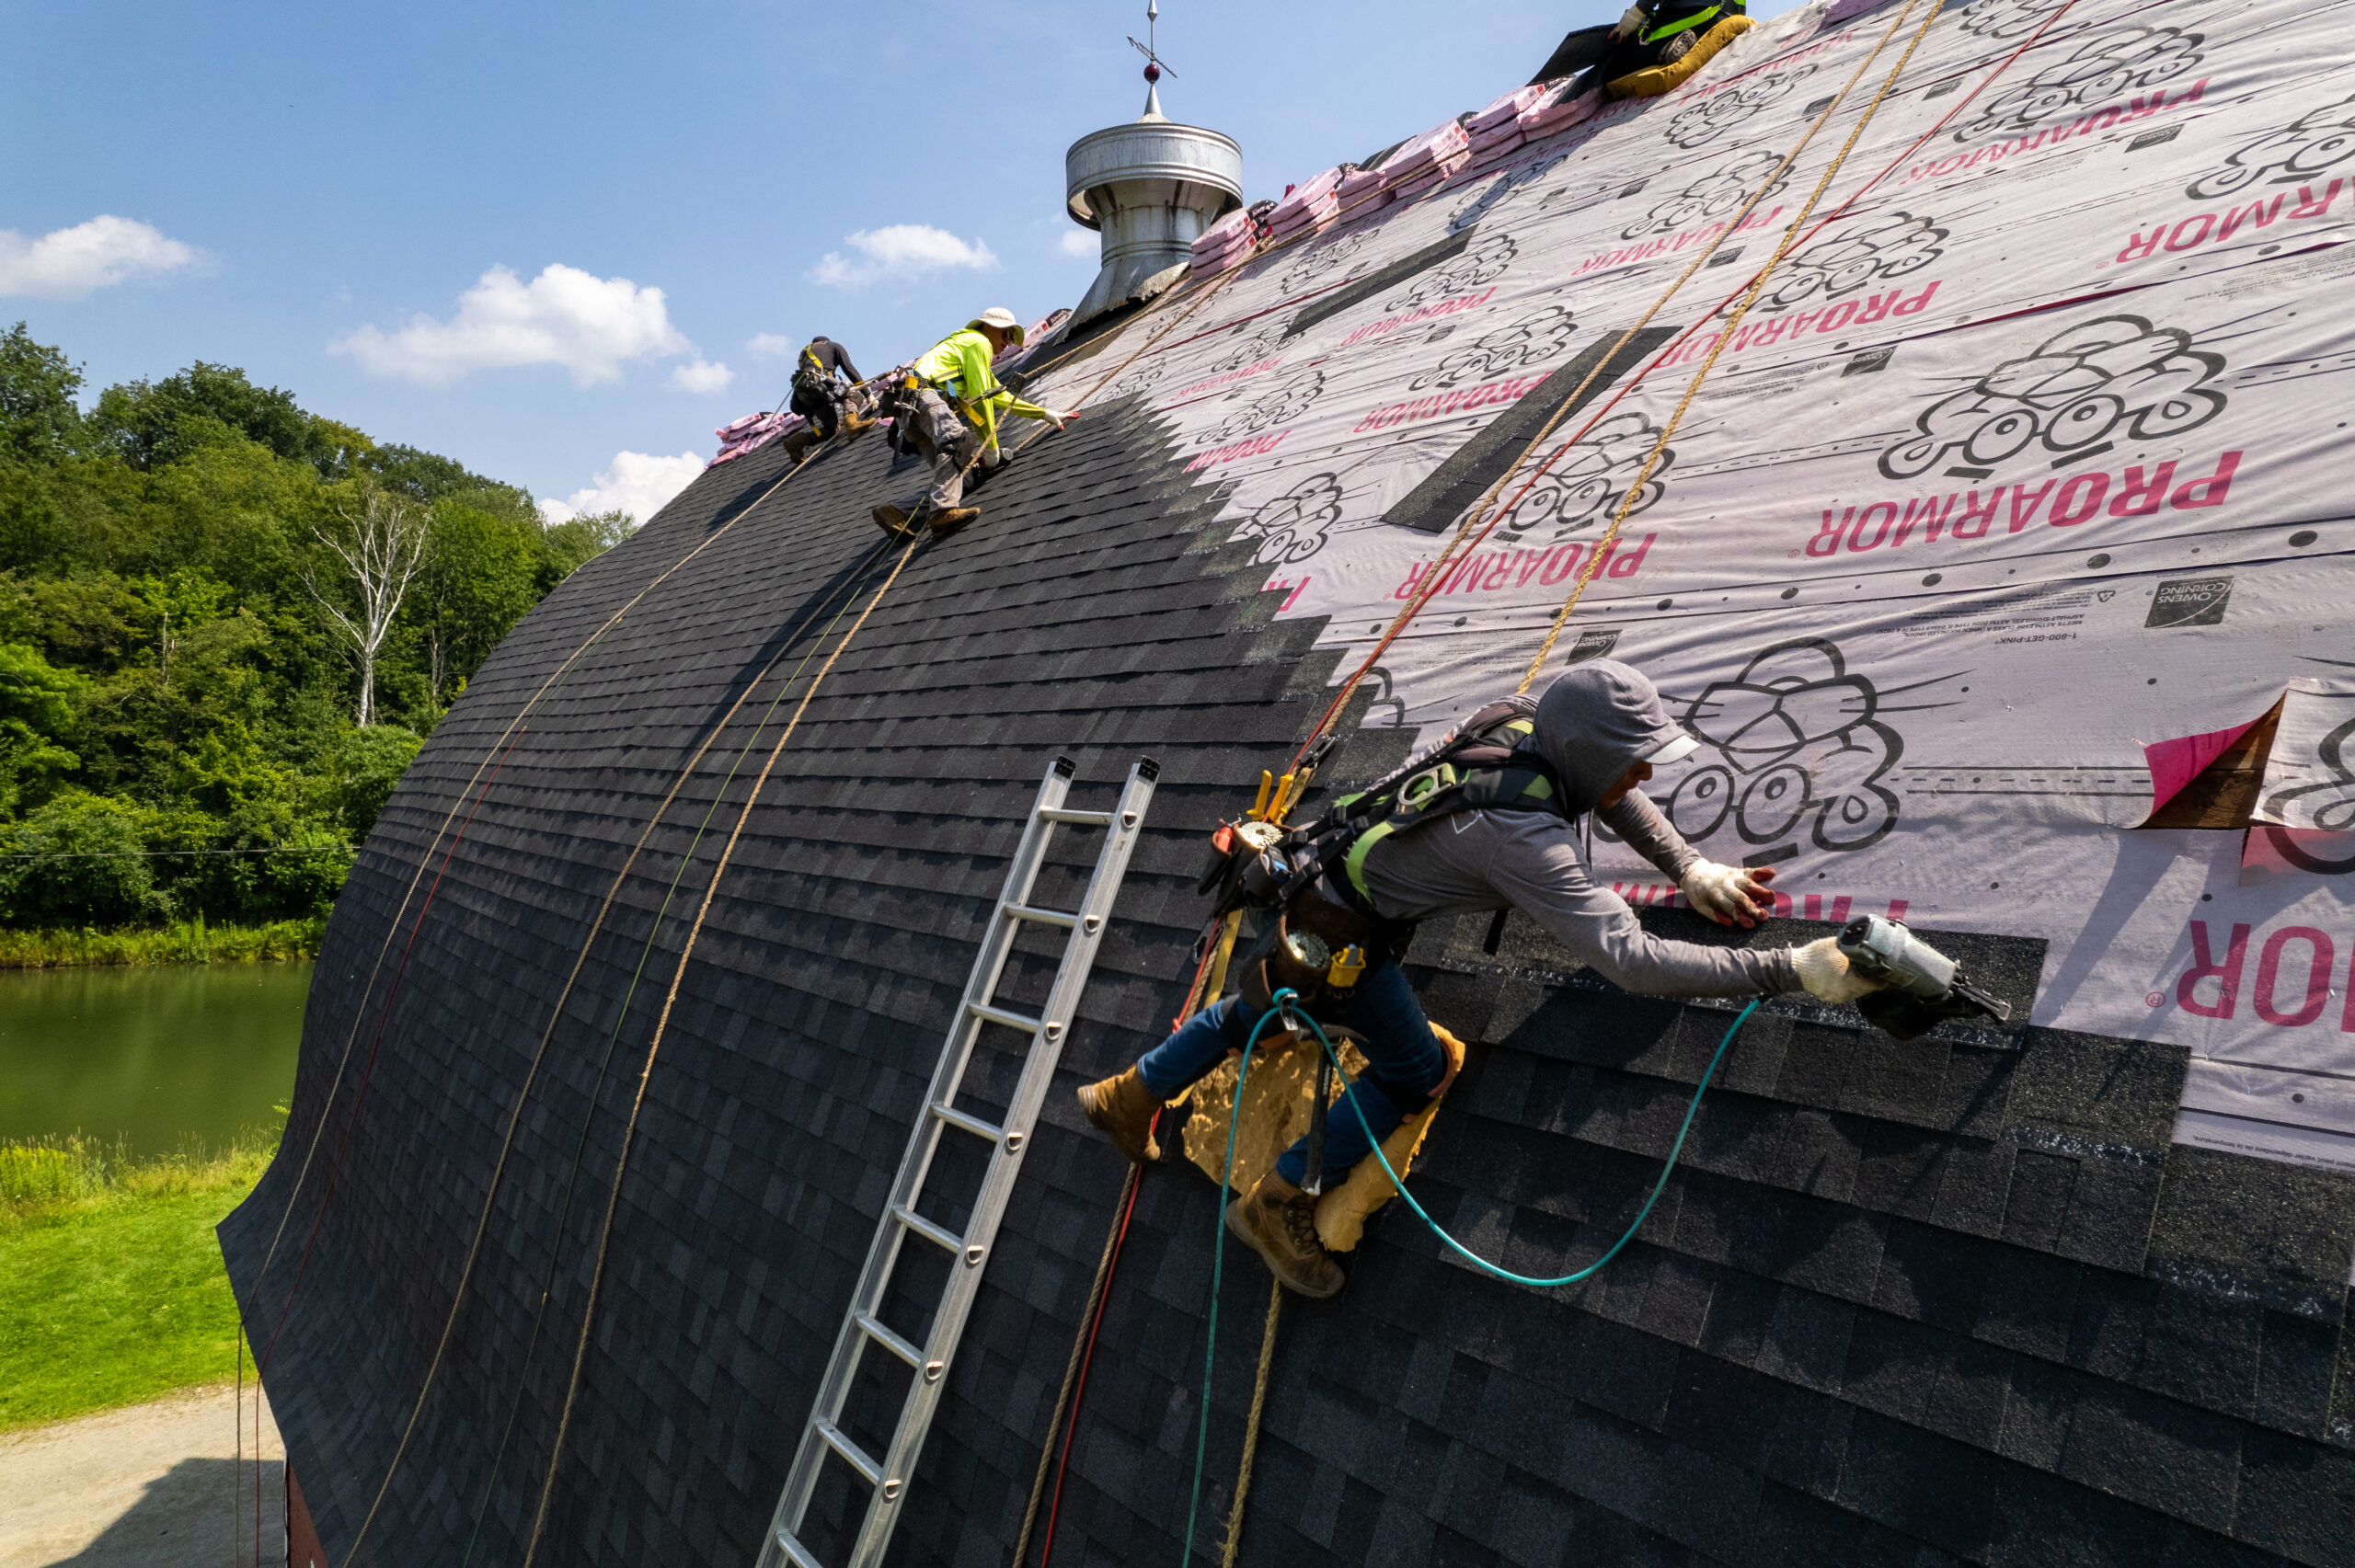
1826 973
1061 416
1626 26
992 456
1729 894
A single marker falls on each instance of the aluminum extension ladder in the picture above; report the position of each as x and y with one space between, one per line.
888 1477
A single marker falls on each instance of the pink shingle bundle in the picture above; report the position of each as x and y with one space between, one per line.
1307 206
1224 242
1558 111
1443 148
1362 192
751 433
1496 131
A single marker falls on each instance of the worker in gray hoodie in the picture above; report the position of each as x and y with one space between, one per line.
1600 730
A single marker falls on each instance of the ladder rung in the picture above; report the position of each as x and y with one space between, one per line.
927 1229
1080 819
974 1125
795 1550
984 1011
851 1452
1043 917
891 1342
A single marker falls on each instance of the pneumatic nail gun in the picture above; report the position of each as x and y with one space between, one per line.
1924 986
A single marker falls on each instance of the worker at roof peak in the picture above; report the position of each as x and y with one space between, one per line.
950 405
820 373
1527 771
1657 32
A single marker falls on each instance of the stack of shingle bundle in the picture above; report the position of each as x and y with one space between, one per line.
1427 160
1559 109
751 433
1224 242
1362 192
1497 130
1309 206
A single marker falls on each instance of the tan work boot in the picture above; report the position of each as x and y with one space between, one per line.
948 519
891 521
857 424
1122 1108
796 445
1280 1222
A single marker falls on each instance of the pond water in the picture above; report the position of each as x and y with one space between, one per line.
148 1056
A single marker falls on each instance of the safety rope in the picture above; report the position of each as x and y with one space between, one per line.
1286 1007
499 747
1604 546
1251 1425
849 591
654 1046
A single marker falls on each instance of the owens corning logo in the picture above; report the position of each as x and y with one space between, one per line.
2316 140
1293 526
1321 260
1796 735
2107 67
1716 194
1705 121
1248 346
2006 18
1144 378
2115 374
1506 186
1278 405
2190 601
1585 482
1532 341
1888 246
1483 261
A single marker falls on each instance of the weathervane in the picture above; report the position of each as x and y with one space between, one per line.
1153 65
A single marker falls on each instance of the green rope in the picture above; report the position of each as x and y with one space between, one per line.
1286 1007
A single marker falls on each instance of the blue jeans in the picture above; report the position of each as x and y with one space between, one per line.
1403 1064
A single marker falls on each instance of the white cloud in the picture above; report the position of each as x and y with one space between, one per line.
1083 244
66 264
703 376
565 316
636 482
900 250
772 346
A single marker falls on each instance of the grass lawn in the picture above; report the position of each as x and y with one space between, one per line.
111 1287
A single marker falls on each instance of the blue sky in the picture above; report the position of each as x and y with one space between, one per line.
446 223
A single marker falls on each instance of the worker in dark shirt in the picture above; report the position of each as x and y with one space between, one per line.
818 396
1655 32
1600 730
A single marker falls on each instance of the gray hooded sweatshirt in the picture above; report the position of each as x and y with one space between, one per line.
1594 721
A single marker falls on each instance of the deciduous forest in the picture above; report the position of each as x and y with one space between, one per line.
226 624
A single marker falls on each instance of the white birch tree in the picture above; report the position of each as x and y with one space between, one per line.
381 550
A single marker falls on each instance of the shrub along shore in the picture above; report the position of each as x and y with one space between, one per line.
111 1289
189 942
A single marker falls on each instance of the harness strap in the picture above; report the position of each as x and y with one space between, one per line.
1684 25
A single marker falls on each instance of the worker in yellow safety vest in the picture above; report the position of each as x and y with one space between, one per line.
948 409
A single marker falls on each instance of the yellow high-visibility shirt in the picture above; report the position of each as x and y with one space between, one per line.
959 364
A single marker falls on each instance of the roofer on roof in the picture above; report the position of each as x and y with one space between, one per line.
1656 32
949 409
1509 840
818 396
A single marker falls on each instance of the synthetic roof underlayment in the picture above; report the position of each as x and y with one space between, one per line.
1986 1296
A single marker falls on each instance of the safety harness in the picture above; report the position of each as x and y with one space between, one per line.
1686 24
1322 943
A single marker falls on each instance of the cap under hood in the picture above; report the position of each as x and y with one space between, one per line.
1597 720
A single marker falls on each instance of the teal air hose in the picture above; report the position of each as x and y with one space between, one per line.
1284 1007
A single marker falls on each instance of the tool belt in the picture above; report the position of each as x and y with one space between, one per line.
1319 949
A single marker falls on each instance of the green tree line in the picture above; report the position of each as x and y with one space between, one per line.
226 626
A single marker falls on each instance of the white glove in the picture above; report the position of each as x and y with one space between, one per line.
1061 415
1825 972
992 456
1728 894
1628 24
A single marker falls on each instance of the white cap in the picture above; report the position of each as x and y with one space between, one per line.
1001 318
1674 751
